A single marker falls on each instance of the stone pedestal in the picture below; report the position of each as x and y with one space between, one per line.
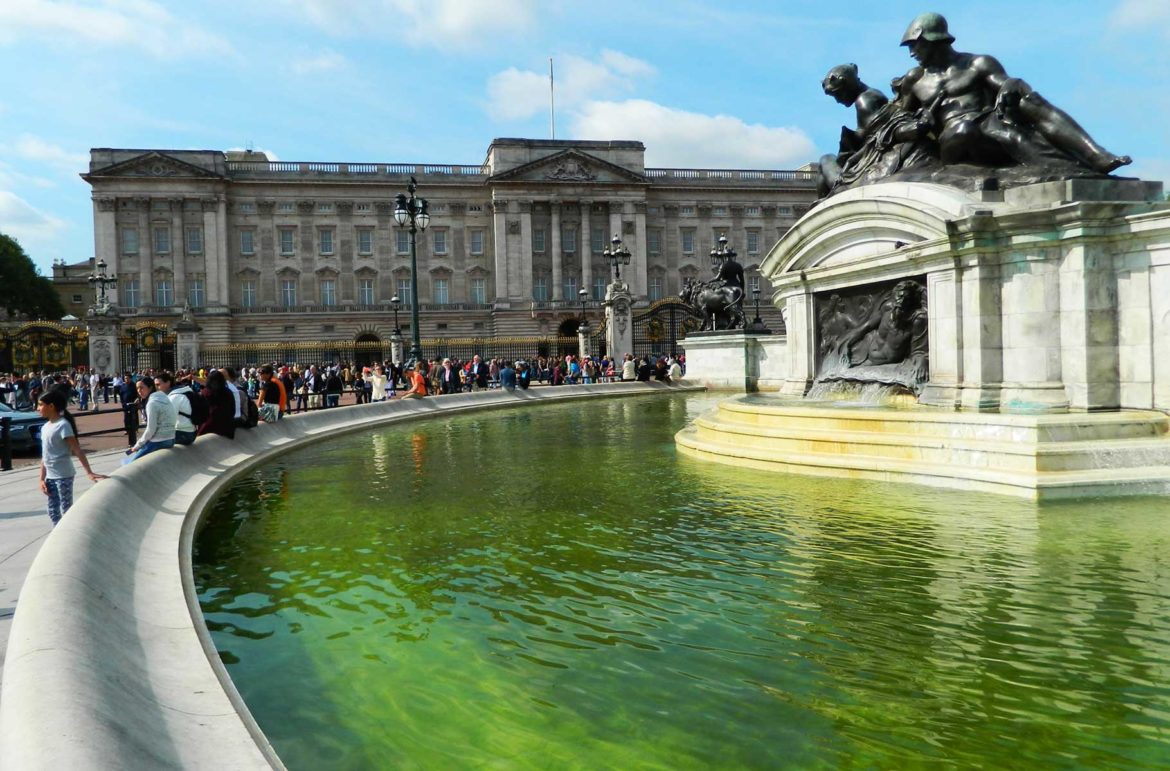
583 340
104 326
736 360
1035 303
396 344
187 342
619 320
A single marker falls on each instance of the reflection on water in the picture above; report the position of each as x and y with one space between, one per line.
555 588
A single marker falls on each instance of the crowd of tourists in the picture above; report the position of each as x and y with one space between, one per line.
161 409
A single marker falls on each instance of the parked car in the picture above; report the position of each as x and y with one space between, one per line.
26 428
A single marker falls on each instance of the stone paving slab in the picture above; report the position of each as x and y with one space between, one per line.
24 526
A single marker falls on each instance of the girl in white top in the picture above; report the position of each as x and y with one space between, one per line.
378 384
161 418
58 442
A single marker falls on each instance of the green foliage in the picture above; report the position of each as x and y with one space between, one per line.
22 291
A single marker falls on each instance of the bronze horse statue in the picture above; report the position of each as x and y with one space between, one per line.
720 304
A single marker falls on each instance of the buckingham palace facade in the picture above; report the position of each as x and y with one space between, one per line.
264 250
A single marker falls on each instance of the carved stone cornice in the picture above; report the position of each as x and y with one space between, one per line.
266 207
106 203
457 208
344 207
306 207
640 207
209 203
499 206
384 208
142 202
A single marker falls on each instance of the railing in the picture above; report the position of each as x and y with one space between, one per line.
395 169
755 175
355 308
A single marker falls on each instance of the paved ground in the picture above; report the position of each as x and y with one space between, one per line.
24 526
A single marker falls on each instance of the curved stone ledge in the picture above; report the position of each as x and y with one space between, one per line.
109 664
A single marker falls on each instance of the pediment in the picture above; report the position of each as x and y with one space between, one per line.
153 164
572 167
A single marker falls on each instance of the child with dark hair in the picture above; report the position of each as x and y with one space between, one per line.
58 442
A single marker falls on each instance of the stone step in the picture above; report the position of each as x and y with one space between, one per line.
1013 455
1030 483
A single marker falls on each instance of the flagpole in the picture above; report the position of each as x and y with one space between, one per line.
552 103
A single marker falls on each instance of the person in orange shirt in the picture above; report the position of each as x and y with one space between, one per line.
416 377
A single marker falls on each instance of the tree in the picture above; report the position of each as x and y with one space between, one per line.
22 291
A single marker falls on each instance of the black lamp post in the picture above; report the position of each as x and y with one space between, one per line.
100 281
582 295
618 255
395 303
413 210
756 322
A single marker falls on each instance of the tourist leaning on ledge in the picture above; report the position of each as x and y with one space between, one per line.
270 396
416 379
160 422
179 394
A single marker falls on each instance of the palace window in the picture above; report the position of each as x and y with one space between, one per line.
194 240
288 240
597 240
366 291
288 292
402 241
569 239
538 239
164 292
162 240
129 240
439 241
654 241
404 290
247 242
479 290
753 283
329 291
688 242
477 241
195 294
365 239
325 237
130 293
248 293
569 285
598 288
442 296
286 206
753 242
655 291
540 289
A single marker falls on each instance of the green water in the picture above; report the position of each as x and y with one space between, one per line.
554 587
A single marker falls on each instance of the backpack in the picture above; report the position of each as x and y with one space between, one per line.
250 414
200 409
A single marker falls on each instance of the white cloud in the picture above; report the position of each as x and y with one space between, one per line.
448 24
23 222
33 148
518 94
137 24
326 61
1140 13
676 137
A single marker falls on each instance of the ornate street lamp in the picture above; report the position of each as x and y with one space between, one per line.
618 255
583 295
721 253
408 208
100 281
757 322
396 303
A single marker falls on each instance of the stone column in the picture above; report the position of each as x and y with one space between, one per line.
619 320
1032 376
1089 327
215 255
504 289
641 259
105 239
943 338
585 243
554 208
187 341
145 253
104 326
524 269
179 250
799 320
981 337
396 347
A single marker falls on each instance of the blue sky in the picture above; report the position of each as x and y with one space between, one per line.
702 83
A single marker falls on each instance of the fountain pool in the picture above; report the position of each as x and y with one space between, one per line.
556 587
